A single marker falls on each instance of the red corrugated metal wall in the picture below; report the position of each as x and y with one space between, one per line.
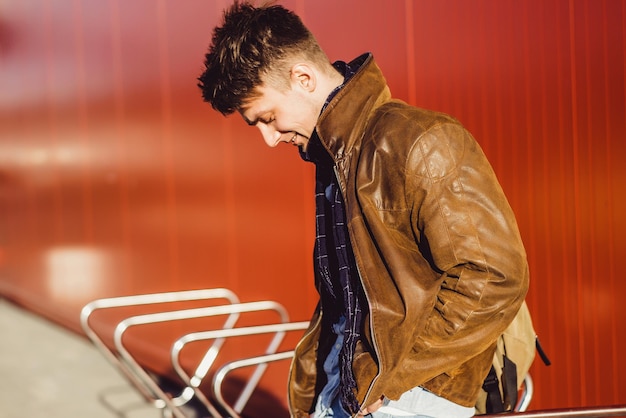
115 178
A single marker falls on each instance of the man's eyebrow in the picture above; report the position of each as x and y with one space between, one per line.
254 122
248 121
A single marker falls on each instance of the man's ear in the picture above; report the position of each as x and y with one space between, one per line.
304 76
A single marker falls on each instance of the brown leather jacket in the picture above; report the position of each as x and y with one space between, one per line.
435 241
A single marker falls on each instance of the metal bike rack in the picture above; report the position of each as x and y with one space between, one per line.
146 390
230 307
261 362
209 357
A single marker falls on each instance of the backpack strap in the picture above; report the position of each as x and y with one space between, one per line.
509 384
492 387
542 354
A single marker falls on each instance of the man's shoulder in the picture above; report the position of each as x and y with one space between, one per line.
401 112
398 118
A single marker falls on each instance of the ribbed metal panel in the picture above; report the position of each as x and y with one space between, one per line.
115 179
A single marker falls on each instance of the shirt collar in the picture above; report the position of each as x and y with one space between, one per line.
315 151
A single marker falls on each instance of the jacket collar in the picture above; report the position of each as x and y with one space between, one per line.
341 124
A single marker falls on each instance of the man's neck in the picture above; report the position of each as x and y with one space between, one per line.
330 80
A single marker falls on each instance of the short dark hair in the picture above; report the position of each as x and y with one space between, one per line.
252 45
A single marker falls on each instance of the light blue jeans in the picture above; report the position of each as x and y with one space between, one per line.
415 403
328 404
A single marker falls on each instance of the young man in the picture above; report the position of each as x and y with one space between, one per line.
418 259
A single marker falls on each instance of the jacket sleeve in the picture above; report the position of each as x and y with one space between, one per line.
441 257
463 221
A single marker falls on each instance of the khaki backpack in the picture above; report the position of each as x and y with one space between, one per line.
514 355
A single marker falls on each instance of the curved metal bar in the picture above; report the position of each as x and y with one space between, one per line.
527 394
139 300
588 412
159 317
278 329
235 411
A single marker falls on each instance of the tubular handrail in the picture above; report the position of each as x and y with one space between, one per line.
270 355
142 300
236 410
206 362
528 390
602 411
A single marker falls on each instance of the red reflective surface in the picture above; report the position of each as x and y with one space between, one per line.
116 179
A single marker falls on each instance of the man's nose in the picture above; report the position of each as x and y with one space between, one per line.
270 135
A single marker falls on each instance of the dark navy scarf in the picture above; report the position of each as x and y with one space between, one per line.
335 269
